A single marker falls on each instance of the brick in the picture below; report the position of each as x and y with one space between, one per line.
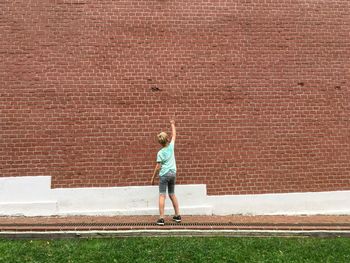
260 92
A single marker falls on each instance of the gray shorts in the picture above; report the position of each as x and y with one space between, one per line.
167 181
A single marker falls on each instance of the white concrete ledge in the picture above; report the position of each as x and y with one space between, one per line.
186 210
25 189
33 196
312 203
34 208
133 200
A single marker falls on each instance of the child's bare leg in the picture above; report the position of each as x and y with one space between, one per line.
161 205
175 204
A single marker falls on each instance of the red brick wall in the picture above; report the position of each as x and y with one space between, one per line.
260 91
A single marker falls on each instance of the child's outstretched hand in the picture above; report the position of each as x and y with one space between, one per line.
172 121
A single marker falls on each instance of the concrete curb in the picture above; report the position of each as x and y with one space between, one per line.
172 233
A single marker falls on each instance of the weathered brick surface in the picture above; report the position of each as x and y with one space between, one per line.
260 91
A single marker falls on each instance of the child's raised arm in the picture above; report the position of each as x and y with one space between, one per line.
173 130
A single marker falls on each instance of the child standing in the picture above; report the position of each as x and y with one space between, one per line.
166 167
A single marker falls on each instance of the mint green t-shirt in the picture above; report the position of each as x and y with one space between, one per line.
166 157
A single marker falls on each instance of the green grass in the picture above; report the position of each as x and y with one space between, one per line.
177 249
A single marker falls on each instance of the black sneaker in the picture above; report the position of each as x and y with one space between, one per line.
160 222
177 219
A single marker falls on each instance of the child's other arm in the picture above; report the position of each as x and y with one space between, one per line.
156 171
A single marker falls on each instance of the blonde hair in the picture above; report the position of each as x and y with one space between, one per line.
163 138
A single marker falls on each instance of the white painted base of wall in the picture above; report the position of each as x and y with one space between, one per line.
314 203
33 196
